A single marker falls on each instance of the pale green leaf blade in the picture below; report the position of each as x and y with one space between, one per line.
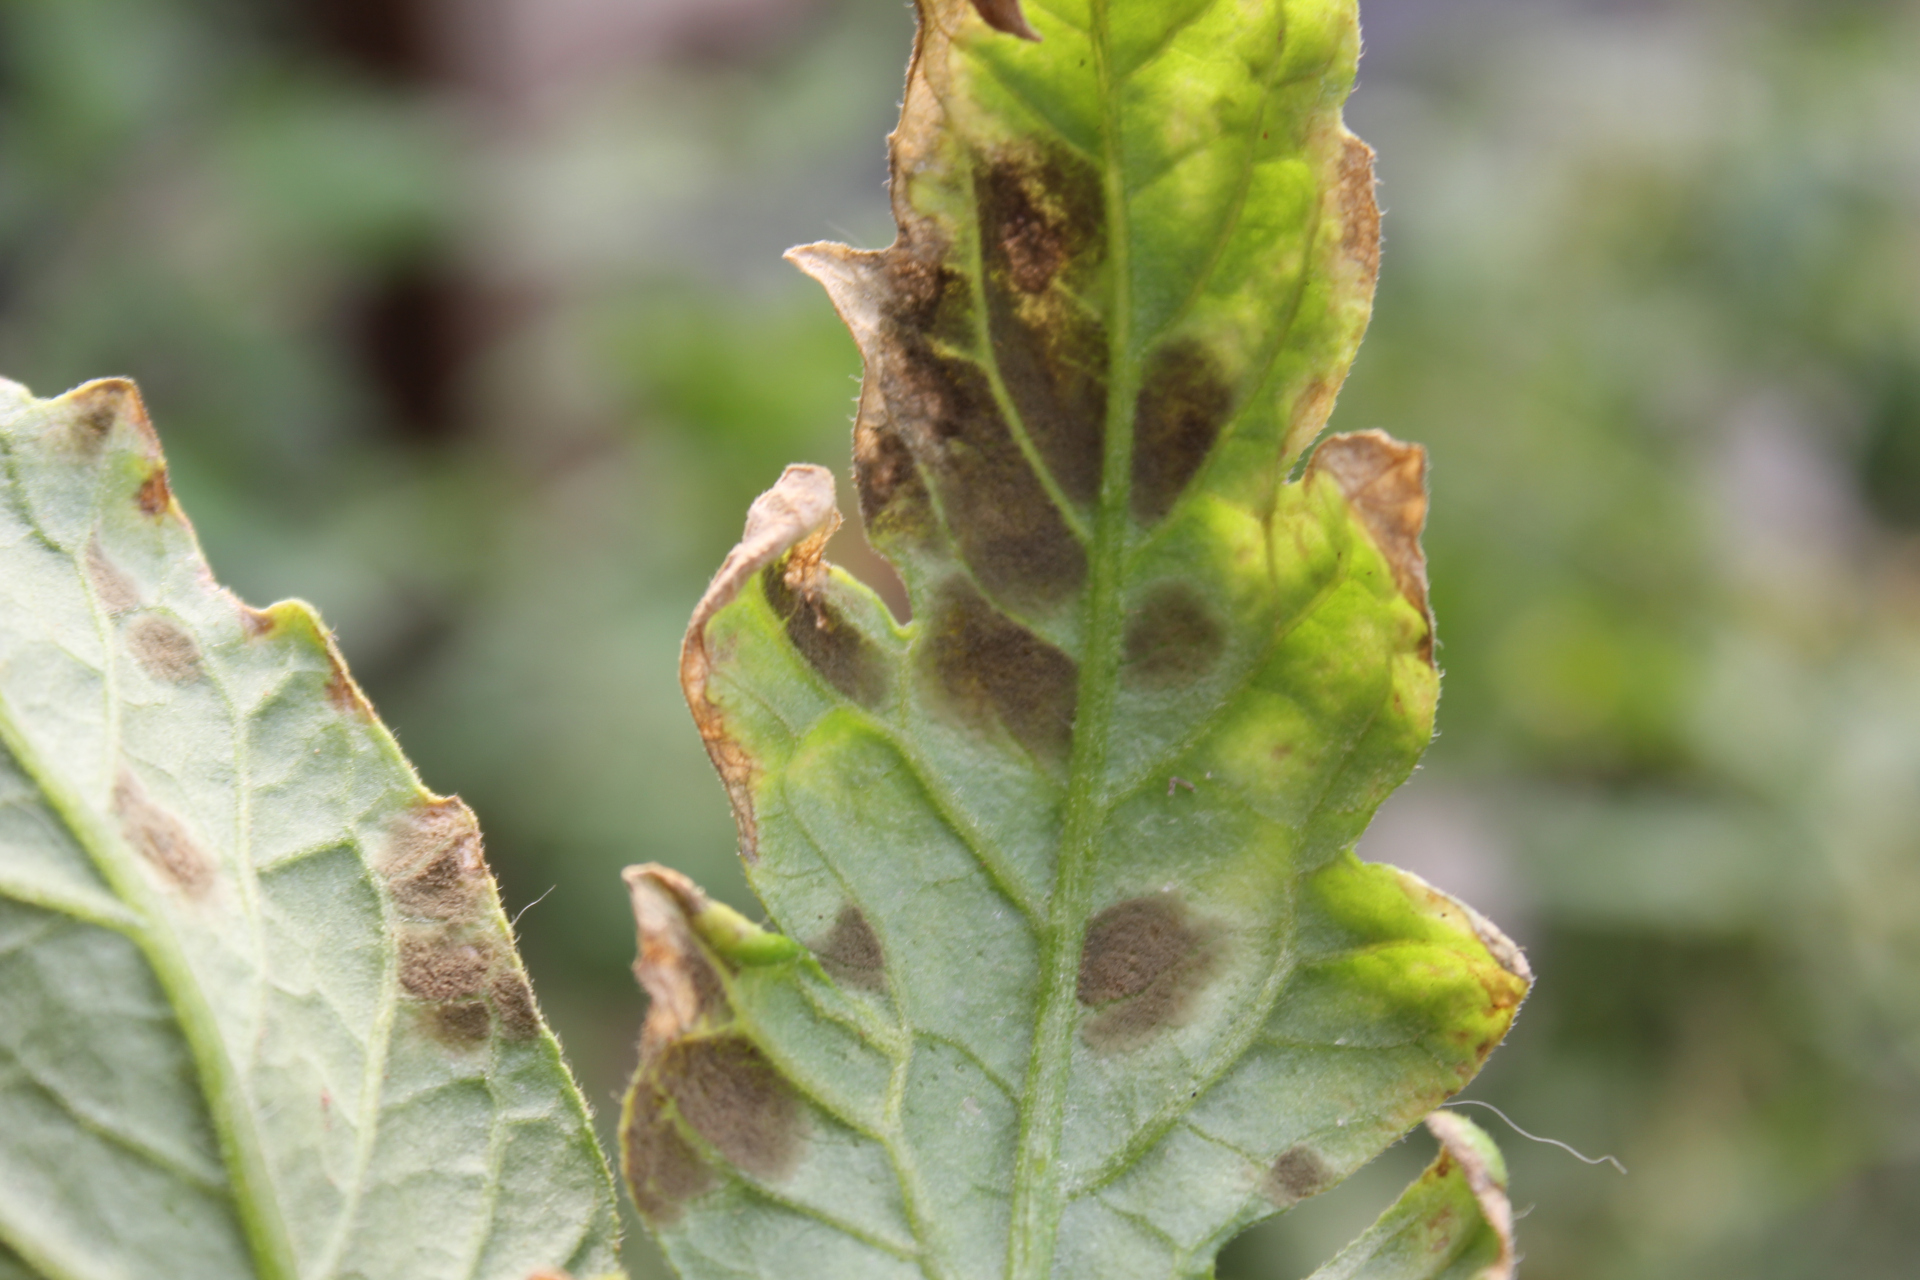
1095 977
260 1012
1453 1223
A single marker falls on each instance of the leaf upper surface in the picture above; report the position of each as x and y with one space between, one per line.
1088 976
260 1012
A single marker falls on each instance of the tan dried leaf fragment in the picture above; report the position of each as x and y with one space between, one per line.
1386 481
1450 1130
797 514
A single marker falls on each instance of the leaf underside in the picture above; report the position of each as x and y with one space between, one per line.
260 1012
1075 972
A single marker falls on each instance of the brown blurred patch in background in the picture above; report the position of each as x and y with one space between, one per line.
466 320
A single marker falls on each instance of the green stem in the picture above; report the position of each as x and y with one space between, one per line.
1039 1180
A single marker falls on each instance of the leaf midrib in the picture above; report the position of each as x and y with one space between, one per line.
1038 1201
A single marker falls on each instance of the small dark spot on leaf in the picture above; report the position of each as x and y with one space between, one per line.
513 1004
993 669
1297 1173
163 649
436 968
1173 638
160 838
111 587
434 861
1143 962
663 1171
464 1023
154 497
831 645
1183 404
731 1096
851 952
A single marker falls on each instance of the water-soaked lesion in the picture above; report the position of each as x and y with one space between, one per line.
990 670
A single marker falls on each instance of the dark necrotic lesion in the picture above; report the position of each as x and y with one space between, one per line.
1184 402
728 1092
1173 638
991 670
851 952
939 404
831 644
1042 234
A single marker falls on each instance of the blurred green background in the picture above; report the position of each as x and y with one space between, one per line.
465 319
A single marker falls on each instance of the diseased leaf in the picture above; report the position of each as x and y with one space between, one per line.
260 1012
1453 1224
1076 973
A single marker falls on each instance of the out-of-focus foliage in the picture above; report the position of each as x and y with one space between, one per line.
476 327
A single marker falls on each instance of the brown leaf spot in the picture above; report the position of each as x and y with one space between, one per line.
154 497
163 649
820 634
662 1169
257 622
513 1004
997 510
111 587
1143 962
911 314
1298 1172
1358 208
1130 945
1174 638
851 952
93 409
434 861
161 838
1005 15
731 1095
1043 224
1183 404
462 1025
437 969
991 668
343 693
1385 482
1040 216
